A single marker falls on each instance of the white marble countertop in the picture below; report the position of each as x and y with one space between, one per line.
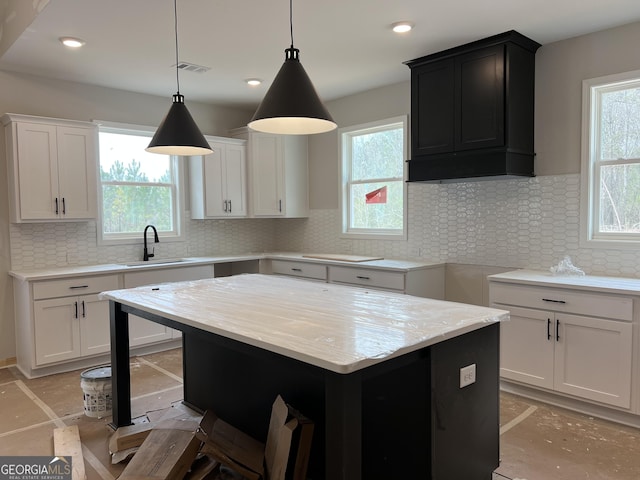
123 267
335 327
578 282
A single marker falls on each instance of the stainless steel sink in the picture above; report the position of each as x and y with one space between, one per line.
164 261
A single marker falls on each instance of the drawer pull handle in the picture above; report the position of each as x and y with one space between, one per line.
548 329
64 207
75 287
553 301
75 304
84 312
296 269
56 206
362 277
557 330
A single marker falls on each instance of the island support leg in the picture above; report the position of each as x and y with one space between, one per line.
120 374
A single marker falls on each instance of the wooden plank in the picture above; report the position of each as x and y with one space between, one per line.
66 443
128 437
166 453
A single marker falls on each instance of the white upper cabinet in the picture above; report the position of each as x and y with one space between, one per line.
278 174
218 181
52 167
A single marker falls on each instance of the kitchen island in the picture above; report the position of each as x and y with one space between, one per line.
379 373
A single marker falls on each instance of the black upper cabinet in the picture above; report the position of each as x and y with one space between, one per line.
472 110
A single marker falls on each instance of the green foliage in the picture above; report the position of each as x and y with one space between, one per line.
130 202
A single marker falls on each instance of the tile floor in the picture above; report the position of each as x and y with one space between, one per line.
538 442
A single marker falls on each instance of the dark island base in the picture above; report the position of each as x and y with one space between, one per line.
403 418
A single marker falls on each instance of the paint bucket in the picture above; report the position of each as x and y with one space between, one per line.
96 389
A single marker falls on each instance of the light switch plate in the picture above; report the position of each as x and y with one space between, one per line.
467 375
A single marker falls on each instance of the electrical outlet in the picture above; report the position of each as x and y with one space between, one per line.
467 375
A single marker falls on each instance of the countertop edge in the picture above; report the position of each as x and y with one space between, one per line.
53 273
620 285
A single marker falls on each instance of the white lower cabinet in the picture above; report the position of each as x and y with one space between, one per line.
421 282
62 325
581 344
69 320
67 328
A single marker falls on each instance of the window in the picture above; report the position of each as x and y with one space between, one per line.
138 188
611 159
373 186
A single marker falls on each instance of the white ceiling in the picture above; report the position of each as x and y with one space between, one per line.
346 46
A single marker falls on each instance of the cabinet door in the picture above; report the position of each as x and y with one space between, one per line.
235 177
57 332
213 182
93 314
38 171
480 99
593 359
77 172
527 346
267 175
432 101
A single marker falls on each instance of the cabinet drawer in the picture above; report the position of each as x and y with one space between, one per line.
299 269
366 277
74 286
560 300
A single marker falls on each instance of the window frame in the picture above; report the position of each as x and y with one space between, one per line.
344 135
591 163
178 197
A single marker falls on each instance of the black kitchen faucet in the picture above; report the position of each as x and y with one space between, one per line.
148 255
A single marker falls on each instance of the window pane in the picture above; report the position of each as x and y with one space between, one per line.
388 215
620 124
128 209
377 155
123 157
620 198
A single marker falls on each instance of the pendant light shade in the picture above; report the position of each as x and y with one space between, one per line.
178 134
291 105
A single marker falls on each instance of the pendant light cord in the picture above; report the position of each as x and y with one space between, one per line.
175 27
291 20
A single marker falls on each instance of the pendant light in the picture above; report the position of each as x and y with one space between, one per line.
291 105
178 134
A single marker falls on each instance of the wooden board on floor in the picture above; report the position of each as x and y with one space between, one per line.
166 454
66 443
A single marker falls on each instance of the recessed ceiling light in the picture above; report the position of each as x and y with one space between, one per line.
72 42
253 81
402 27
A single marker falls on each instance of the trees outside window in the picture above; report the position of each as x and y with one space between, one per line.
611 163
373 180
138 188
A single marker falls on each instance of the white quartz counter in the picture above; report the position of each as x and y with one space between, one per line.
578 282
335 327
82 270
74 271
